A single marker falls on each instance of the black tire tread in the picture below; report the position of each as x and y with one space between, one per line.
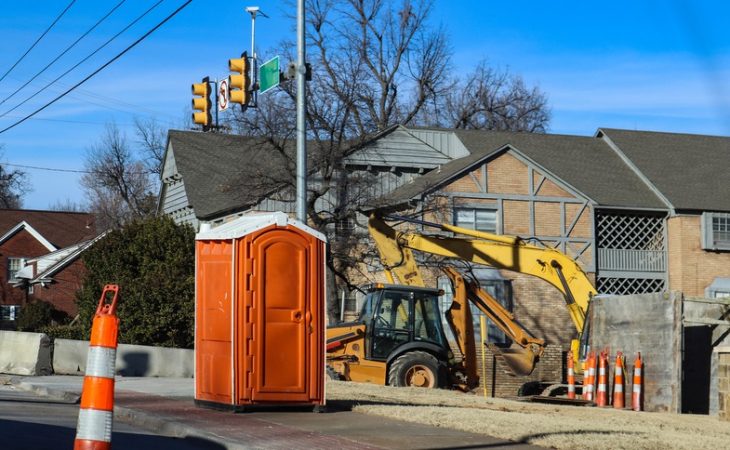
409 358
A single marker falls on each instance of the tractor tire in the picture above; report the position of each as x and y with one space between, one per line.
416 369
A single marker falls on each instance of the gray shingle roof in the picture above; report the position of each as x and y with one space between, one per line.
587 164
225 172
691 171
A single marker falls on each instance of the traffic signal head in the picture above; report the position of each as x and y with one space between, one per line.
202 103
240 82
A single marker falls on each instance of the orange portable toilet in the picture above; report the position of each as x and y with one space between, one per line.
259 313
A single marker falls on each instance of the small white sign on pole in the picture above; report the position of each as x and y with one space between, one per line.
223 95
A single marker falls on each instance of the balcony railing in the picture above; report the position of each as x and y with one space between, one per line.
632 260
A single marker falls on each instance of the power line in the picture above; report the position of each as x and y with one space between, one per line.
53 169
103 101
38 40
119 55
84 122
49 169
83 60
22 86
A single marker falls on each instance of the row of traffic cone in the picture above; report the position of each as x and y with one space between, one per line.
599 393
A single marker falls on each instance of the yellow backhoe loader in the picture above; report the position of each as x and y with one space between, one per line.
399 338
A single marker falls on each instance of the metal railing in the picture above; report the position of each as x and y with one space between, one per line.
632 260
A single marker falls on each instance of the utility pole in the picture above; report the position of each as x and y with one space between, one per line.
301 123
254 11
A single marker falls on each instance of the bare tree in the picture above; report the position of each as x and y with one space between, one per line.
13 186
375 63
118 186
492 100
67 205
151 138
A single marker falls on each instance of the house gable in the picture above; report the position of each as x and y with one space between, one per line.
405 148
31 231
529 202
173 199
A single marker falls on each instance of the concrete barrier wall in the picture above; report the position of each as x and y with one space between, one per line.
25 353
650 324
69 358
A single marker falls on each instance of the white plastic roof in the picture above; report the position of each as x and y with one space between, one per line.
252 222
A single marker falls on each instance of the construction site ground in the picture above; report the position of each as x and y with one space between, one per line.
547 425
370 416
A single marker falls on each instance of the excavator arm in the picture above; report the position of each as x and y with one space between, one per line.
502 252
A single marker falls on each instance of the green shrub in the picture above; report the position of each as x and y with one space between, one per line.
153 262
63 331
36 315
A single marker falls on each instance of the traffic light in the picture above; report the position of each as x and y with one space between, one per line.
202 103
240 83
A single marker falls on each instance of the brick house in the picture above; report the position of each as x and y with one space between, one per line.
45 240
640 211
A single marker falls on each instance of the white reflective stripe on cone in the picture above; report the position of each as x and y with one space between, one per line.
100 362
601 388
618 388
94 425
637 388
570 371
602 371
619 370
571 388
637 372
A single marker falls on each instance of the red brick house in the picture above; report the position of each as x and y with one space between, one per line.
50 241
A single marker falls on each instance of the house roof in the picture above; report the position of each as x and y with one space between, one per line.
226 172
690 170
49 264
587 164
60 228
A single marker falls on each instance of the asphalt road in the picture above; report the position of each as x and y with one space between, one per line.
29 422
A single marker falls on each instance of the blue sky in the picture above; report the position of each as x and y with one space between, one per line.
652 65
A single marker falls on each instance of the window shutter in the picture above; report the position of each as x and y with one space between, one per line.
706 230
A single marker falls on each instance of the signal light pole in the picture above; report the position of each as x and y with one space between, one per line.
301 122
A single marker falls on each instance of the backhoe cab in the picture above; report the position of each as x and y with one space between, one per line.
398 339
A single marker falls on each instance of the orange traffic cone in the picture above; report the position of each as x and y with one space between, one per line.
618 382
589 380
636 390
571 376
94 429
601 392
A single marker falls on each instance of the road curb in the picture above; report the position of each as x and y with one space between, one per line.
132 416
142 419
55 394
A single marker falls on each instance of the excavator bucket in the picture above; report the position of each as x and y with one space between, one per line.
521 361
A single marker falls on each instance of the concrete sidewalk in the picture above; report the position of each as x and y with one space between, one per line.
166 405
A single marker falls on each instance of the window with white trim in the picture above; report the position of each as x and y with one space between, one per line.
9 312
14 265
481 219
716 231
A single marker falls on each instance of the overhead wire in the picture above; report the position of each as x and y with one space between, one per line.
84 59
54 169
60 55
102 101
119 55
38 40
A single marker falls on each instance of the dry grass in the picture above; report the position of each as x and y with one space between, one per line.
563 427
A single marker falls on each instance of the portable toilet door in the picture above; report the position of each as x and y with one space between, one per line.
282 318
260 313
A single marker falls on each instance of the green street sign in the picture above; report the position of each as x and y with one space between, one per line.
269 75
